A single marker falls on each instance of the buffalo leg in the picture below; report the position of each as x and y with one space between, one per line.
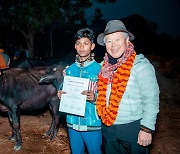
54 108
13 136
50 130
16 126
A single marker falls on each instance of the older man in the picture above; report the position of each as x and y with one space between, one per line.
128 93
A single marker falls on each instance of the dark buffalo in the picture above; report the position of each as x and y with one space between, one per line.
20 91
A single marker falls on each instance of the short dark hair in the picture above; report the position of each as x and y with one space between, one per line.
86 33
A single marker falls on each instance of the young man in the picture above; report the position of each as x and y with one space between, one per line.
128 94
85 130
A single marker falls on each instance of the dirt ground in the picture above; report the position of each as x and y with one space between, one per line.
166 139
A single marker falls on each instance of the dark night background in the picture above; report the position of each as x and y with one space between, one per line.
155 25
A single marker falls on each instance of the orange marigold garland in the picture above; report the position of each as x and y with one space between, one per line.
108 113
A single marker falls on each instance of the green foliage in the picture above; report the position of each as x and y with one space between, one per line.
98 14
145 32
31 16
34 13
38 13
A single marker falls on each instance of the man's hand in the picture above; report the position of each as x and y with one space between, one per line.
90 95
64 70
144 138
59 93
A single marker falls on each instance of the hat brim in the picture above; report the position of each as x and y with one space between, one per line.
100 38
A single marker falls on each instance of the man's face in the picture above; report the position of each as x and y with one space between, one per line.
116 44
83 47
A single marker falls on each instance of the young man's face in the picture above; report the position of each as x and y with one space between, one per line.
116 44
83 47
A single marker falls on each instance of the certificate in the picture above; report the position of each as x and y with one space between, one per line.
73 101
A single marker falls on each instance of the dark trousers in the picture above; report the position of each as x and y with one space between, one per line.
122 139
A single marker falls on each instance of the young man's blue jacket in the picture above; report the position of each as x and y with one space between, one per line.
91 120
